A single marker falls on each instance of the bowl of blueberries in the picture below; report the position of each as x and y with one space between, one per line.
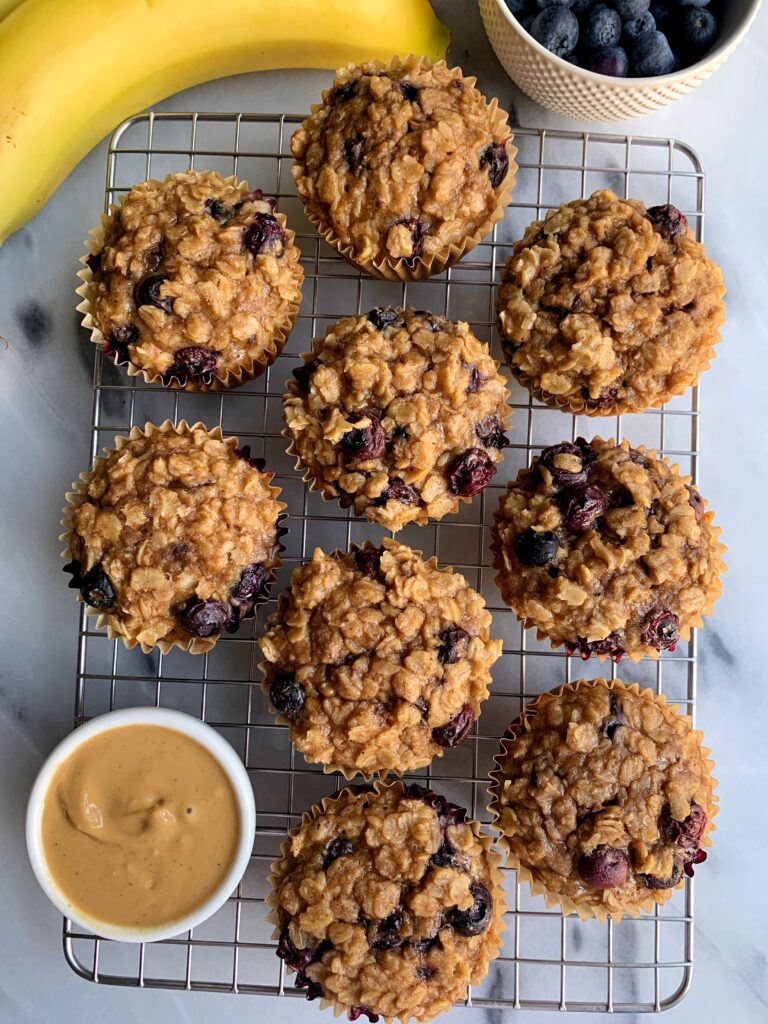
606 60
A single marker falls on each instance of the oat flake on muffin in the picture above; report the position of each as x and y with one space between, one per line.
195 281
387 901
378 660
404 168
603 798
605 306
173 536
606 549
399 414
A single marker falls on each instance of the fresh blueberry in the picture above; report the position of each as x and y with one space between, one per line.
338 847
418 233
204 618
582 507
661 14
453 643
476 919
470 473
661 630
265 235
609 60
456 731
689 3
117 343
516 6
496 158
251 582
580 7
95 588
603 27
384 316
286 695
651 55
604 868
396 490
627 9
634 27
365 443
567 475
556 29
147 293
491 433
387 932
544 4
697 30
535 548
667 220
190 363
369 562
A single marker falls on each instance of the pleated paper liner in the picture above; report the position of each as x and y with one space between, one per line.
714 589
327 489
254 365
351 772
586 911
278 869
390 269
75 497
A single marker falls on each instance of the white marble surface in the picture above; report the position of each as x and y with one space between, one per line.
45 408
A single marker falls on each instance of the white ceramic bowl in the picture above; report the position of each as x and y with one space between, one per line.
216 745
560 86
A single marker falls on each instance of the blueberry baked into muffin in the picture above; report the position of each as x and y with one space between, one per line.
605 306
173 536
193 281
404 168
387 901
606 549
603 798
399 414
378 660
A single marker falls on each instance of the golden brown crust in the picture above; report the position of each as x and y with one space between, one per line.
433 389
173 516
194 281
386 902
629 560
601 311
385 651
404 168
601 765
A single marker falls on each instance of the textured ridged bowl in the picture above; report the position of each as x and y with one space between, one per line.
567 89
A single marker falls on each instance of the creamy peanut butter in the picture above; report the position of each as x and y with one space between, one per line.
139 826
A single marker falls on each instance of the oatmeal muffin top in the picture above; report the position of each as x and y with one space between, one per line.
604 794
174 536
605 306
197 279
388 902
399 413
403 162
378 659
606 549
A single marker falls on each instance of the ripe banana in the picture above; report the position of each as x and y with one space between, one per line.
71 70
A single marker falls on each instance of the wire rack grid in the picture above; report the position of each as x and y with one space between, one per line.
548 962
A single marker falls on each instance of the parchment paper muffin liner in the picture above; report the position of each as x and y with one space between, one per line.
233 378
433 263
493 939
348 772
76 496
685 628
327 489
497 776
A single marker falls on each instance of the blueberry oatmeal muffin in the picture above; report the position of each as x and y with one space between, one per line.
603 798
173 536
399 414
606 549
387 901
193 281
404 168
606 306
377 659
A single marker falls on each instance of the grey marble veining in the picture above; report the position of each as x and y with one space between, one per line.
45 411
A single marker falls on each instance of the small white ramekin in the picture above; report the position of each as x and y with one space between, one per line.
216 745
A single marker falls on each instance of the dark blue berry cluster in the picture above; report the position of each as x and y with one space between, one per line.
622 38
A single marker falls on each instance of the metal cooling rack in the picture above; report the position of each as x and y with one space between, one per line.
547 962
